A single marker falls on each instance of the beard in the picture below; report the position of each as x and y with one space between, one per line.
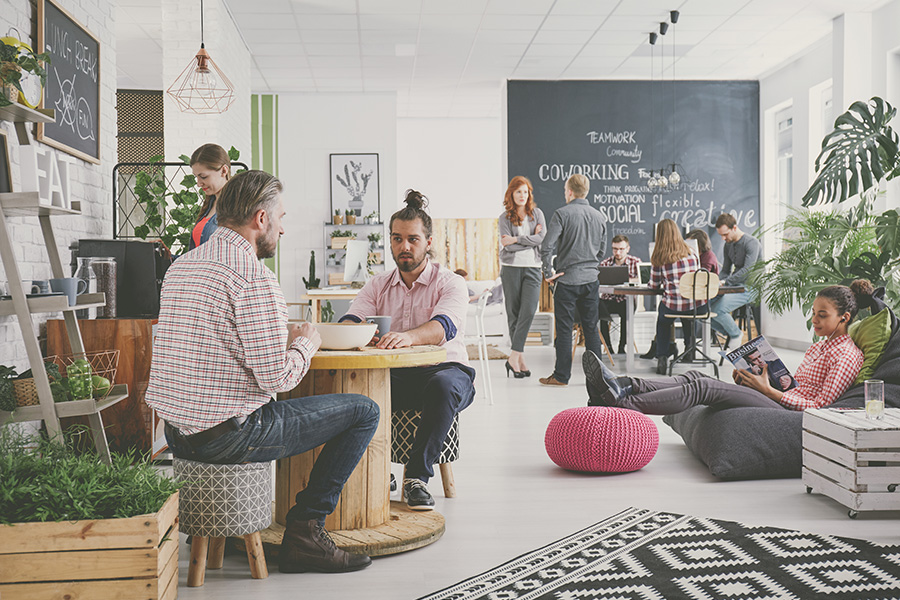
414 262
266 245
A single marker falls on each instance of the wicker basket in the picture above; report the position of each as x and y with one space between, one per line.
103 364
26 392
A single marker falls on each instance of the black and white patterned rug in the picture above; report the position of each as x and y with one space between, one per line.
642 554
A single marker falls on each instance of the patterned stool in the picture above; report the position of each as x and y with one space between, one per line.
403 431
599 439
219 501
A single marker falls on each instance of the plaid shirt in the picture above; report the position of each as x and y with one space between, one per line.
632 262
667 278
828 368
221 343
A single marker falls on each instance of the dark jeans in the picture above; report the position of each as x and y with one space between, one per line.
568 301
664 327
345 423
615 308
670 395
439 391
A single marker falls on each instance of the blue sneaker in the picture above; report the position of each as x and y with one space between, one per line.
602 385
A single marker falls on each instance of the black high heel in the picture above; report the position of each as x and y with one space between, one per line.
525 373
516 374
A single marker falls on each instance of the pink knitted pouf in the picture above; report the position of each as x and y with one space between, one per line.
598 439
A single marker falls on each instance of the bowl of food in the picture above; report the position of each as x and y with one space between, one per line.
345 336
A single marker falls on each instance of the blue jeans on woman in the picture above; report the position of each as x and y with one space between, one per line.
345 423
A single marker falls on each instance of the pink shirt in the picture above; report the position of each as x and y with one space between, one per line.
437 291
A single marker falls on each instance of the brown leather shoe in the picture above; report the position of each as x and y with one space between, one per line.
306 546
552 381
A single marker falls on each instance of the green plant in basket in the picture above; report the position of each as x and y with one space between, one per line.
17 58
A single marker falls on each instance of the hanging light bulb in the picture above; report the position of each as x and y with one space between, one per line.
674 178
651 183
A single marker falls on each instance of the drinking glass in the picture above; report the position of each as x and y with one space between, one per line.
874 399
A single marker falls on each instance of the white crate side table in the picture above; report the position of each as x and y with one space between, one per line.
851 459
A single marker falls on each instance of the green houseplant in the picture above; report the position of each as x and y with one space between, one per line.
182 206
313 282
14 59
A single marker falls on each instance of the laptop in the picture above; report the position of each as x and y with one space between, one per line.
614 275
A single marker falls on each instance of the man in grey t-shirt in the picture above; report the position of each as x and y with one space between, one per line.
577 236
742 251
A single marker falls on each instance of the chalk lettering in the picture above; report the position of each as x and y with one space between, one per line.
634 155
611 137
594 172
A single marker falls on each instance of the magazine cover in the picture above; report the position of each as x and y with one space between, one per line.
756 354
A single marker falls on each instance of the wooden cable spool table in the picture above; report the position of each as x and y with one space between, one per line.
365 520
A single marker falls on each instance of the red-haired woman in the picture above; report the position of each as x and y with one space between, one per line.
522 229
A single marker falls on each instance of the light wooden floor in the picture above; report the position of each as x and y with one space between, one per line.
513 499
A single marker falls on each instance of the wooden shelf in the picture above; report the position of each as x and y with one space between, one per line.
19 113
76 408
49 304
28 204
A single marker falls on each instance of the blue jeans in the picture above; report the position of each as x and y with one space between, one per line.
439 391
722 306
345 423
568 301
664 328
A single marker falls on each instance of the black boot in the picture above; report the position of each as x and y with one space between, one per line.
662 365
651 353
306 546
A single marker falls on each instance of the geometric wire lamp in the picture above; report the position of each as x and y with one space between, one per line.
202 87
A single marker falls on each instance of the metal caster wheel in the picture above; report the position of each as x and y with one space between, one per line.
852 513
808 490
892 487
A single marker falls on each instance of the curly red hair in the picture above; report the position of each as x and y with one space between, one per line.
510 206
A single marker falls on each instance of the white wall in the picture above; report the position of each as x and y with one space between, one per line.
457 163
312 126
91 184
181 41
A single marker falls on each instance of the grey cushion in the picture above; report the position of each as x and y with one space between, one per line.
765 443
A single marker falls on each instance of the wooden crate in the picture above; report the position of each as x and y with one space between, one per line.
340 242
851 459
134 558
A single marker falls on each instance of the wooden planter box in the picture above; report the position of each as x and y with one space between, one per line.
134 558
340 242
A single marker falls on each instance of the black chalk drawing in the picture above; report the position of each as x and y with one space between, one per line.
354 183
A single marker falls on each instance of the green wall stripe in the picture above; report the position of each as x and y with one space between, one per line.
268 160
264 123
254 130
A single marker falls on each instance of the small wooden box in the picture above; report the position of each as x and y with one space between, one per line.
340 242
109 558
851 459
336 278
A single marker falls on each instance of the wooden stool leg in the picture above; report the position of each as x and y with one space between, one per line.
402 499
256 556
447 480
216 553
197 567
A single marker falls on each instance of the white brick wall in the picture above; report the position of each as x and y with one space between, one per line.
91 184
181 40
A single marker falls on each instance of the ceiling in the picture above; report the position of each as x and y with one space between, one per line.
447 58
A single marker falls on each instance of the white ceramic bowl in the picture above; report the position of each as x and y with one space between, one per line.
345 336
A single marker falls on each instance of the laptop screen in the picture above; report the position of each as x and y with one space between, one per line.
614 275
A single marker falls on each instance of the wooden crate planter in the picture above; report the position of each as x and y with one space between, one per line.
133 558
340 242
852 459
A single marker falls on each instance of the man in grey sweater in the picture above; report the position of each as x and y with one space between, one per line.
577 236
742 251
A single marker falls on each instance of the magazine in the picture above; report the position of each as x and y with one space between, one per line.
756 354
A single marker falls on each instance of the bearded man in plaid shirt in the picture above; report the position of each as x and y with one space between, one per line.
224 347
615 303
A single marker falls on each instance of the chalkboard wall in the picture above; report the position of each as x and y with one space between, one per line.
73 83
614 132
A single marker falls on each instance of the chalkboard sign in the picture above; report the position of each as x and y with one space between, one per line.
73 83
615 132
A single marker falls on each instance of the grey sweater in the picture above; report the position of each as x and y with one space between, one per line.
530 242
740 256
577 236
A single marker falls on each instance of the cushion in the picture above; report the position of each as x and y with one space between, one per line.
871 335
599 439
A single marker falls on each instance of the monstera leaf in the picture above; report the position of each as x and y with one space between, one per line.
861 151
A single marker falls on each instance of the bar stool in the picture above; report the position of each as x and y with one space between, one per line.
403 431
219 501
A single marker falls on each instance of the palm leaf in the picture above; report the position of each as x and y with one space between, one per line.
860 152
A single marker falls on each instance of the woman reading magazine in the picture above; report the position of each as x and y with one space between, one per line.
828 368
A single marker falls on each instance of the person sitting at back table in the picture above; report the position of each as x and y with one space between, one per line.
427 305
223 347
211 167
615 303
742 251
708 258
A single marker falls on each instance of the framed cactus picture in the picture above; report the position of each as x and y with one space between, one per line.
355 184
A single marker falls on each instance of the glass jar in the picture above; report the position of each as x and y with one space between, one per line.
105 270
79 376
86 273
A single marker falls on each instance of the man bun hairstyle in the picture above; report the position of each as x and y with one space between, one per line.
416 202
849 299
244 195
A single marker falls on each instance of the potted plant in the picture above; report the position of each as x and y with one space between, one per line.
332 260
374 240
17 58
340 238
338 218
87 515
313 282
372 218
350 217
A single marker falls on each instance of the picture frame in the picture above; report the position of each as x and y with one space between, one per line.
355 183
5 165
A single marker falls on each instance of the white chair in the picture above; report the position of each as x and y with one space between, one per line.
701 286
480 307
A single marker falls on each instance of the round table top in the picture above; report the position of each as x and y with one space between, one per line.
375 358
